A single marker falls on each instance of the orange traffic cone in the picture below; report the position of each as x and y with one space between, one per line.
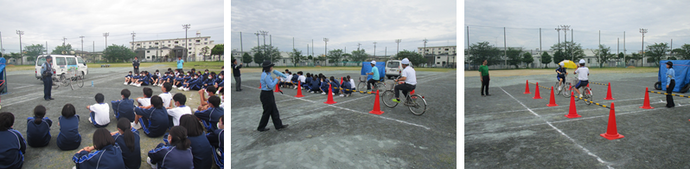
646 105
527 87
278 88
552 101
377 107
330 95
608 94
612 130
573 108
259 85
536 92
299 89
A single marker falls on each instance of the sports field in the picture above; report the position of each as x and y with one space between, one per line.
512 130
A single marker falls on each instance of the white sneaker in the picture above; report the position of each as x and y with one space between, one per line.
136 126
179 88
148 160
580 95
342 95
186 89
323 92
138 85
125 83
559 87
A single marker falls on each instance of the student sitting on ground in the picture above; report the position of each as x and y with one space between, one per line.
12 144
99 112
219 83
335 86
314 85
175 154
294 80
69 137
143 102
216 138
201 148
128 140
324 85
180 109
345 87
208 81
38 128
124 107
165 95
134 80
210 116
178 82
307 81
211 91
155 78
128 78
103 154
154 120
352 83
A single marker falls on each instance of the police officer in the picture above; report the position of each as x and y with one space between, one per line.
47 75
267 100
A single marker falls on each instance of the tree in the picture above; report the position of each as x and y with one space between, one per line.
603 54
683 52
204 51
527 58
268 52
115 53
311 58
33 51
558 56
15 56
655 52
415 58
621 55
514 57
218 50
635 56
346 58
258 58
358 56
246 58
545 59
672 58
569 49
335 56
296 56
482 51
59 49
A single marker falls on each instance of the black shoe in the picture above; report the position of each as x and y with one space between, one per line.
282 128
488 95
240 89
262 130
52 98
483 95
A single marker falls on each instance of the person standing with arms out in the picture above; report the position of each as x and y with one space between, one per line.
47 73
484 77
670 84
268 101
135 63
180 63
236 73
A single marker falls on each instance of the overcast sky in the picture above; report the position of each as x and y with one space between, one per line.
664 20
345 23
50 21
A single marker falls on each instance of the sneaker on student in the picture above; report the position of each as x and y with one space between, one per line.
125 83
186 89
396 100
136 126
342 95
559 87
580 95
323 92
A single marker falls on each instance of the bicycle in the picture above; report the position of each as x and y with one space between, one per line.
362 85
415 102
567 87
586 94
561 85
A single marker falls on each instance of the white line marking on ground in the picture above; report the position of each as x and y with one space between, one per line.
559 131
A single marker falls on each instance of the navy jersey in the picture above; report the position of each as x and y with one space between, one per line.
324 85
179 78
210 117
38 135
69 137
154 121
562 70
128 75
315 84
216 139
109 156
12 149
167 156
123 108
209 82
346 87
202 151
132 159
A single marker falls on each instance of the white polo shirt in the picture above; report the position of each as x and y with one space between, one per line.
582 73
100 113
144 101
410 75
178 112
167 97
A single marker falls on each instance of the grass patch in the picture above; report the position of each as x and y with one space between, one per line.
10 68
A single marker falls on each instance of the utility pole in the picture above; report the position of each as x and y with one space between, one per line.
21 51
374 49
385 51
572 40
599 37
358 44
82 45
325 40
185 27
106 40
643 31
565 29
424 52
539 40
135 34
397 50
241 47
312 48
505 46
270 40
293 42
264 33
559 37
1 49
63 41
625 52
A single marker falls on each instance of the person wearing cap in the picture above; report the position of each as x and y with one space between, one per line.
670 84
582 73
47 72
409 78
268 100
375 76
236 74
484 77
560 75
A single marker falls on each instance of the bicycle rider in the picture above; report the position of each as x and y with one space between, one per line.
375 78
408 78
582 73
561 72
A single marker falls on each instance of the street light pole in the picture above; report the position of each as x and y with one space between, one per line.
643 31
397 50
374 49
106 40
82 45
21 51
264 33
325 49
185 27
133 35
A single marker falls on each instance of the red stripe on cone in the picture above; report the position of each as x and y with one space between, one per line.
536 92
646 105
612 130
527 87
299 89
330 95
377 106
573 108
608 94
552 100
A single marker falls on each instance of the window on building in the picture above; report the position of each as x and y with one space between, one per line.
190 43
169 42
148 51
156 43
447 49
438 57
168 45
149 42
205 39
138 44
198 40
438 62
176 42
205 43
589 61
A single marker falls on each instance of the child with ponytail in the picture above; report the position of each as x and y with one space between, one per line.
176 154
128 139
38 128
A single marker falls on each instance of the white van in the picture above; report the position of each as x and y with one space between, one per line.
393 68
61 63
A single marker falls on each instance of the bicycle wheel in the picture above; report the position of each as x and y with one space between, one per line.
558 92
362 86
80 81
381 86
567 89
417 104
69 81
56 84
387 98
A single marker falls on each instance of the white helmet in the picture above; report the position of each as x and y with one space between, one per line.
373 62
582 61
561 64
405 61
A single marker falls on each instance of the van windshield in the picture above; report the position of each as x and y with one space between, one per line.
393 64
80 61
40 61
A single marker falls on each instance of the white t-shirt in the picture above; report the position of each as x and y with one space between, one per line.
100 111
410 74
144 101
582 73
352 84
167 97
302 79
288 78
178 112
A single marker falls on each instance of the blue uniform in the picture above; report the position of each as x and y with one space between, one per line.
216 139
109 156
202 152
335 86
347 89
69 137
314 85
12 149
560 76
195 84
132 159
154 121
210 117
38 135
324 86
123 108
209 82
167 156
